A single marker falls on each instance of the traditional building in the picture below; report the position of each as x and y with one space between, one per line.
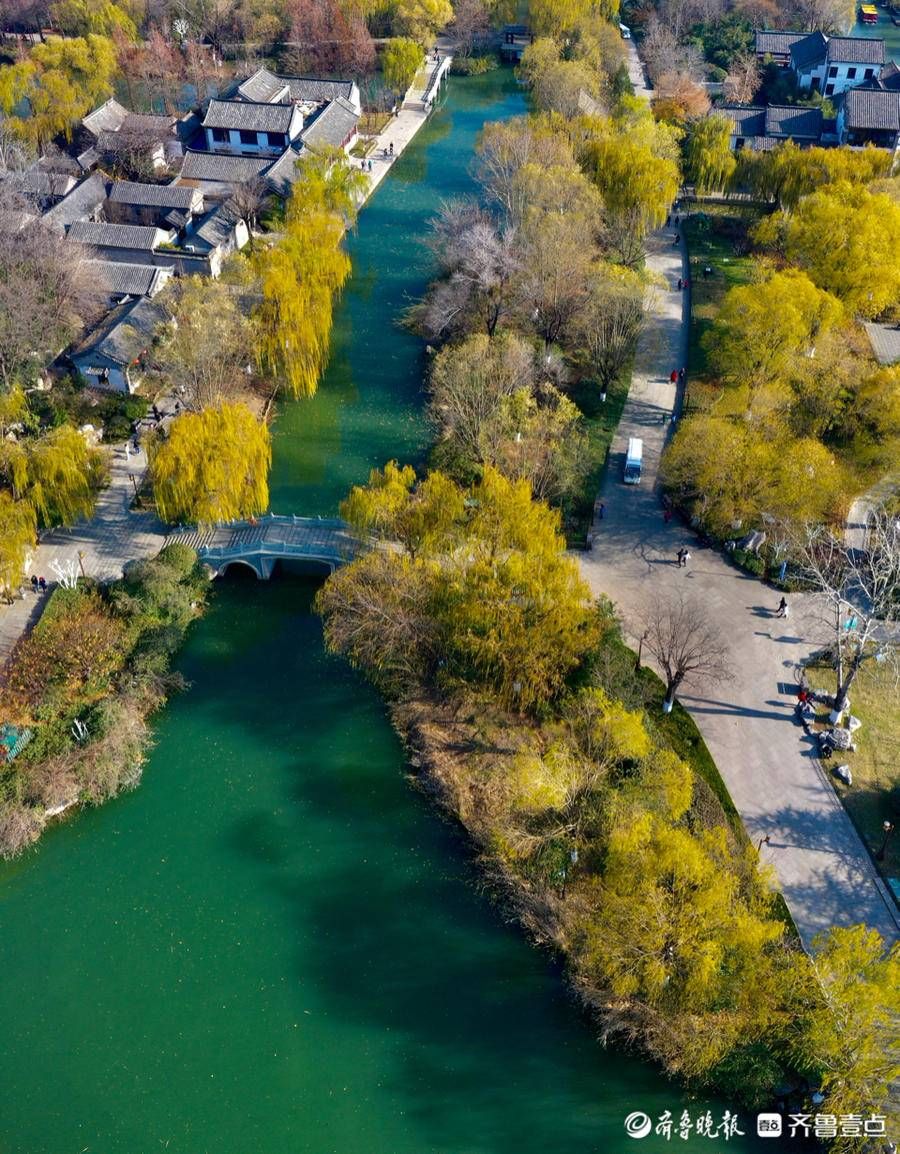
113 356
251 129
831 65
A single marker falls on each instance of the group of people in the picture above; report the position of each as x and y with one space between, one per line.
683 555
678 376
38 584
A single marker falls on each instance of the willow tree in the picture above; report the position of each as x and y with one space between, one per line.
300 276
57 84
211 466
18 535
709 161
58 473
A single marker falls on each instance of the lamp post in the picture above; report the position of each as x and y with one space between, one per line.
81 564
762 841
888 828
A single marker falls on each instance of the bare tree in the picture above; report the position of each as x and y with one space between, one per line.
480 260
687 647
743 79
505 149
471 25
44 293
859 592
248 199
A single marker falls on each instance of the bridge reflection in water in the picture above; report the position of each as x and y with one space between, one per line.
260 545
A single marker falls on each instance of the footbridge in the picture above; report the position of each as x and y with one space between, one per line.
260 544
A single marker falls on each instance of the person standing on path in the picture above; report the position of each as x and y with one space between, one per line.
680 556
783 608
601 510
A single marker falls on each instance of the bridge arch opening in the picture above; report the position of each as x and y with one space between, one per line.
239 569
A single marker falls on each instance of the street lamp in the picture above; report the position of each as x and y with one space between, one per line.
888 828
81 564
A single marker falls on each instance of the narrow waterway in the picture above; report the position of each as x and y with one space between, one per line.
275 945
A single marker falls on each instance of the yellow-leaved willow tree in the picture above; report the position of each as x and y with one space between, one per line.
211 466
300 276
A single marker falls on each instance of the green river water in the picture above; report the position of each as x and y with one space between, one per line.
275 945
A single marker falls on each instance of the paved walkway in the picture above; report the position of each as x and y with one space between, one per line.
113 536
767 763
404 126
858 516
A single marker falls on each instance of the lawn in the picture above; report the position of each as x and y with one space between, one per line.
876 764
716 238
601 419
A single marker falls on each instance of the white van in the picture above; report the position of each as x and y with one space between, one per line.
633 459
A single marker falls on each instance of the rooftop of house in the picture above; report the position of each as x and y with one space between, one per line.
155 195
38 182
107 118
84 200
283 174
873 109
855 50
890 77
746 119
120 279
264 87
771 41
217 226
333 125
103 235
797 121
125 332
267 87
221 169
810 50
885 341
252 117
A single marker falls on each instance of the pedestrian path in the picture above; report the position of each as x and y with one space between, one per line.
774 778
390 143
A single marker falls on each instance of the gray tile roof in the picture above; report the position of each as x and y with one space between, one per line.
242 114
283 174
855 50
885 343
309 88
38 182
746 119
153 195
83 201
222 169
125 332
121 279
158 126
103 235
107 118
868 108
263 87
809 50
333 124
890 76
217 227
771 42
793 120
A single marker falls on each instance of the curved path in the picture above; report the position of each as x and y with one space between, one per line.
768 765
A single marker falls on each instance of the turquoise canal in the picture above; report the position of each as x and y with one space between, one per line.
275 945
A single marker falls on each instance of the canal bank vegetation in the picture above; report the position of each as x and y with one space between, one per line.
541 285
82 684
598 819
782 369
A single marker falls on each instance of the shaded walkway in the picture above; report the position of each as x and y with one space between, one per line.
767 763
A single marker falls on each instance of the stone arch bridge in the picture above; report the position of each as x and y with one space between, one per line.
259 545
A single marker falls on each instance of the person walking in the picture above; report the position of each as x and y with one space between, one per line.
783 608
601 510
680 556
673 376
391 149
682 376
685 557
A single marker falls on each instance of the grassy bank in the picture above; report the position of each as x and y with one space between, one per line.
874 796
716 238
601 419
81 686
